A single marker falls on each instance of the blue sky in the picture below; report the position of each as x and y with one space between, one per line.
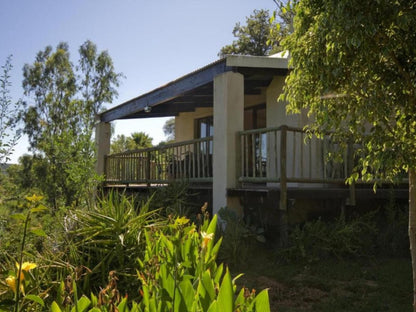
151 42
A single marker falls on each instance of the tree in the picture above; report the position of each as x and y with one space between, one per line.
262 33
136 140
9 134
169 129
252 38
354 70
59 123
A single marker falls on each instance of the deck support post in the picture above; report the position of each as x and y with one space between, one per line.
102 142
283 188
228 121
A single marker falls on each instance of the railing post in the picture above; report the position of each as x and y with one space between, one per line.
148 168
283 187
350 166
238 158
105 167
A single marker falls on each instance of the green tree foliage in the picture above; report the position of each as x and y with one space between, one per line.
9 134
65 99
252 38
136 140
354 70
169 129
262 33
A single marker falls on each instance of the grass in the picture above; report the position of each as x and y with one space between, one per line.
376 284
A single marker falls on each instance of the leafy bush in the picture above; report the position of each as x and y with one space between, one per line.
393 238
238 238
108 238
175 199
340 238
178 273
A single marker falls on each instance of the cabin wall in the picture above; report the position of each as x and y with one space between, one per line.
303 160
185 123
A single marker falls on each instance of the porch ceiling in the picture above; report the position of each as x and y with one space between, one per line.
196 89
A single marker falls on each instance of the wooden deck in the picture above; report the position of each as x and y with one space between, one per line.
285 161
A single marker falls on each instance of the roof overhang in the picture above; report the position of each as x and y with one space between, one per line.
196 88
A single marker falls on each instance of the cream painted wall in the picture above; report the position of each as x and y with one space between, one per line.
185 123
303 160
253 100
276 110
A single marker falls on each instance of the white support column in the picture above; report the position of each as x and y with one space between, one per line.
102 141
228 120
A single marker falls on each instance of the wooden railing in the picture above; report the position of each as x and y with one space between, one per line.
269 155
189 160
286 154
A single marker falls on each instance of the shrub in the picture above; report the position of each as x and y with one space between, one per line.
393 238
108 238
178 273
238 238
316 240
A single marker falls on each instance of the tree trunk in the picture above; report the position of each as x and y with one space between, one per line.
412 228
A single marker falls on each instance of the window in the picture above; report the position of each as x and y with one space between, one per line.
255 118
205 128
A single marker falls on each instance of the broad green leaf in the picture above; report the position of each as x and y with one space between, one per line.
214 307
208 284
168 283
240 298
262 301
94 300
226 294
36 299
212 225
81 305
218 273
39 208
122 306
19 216
39 232
188 293
55 307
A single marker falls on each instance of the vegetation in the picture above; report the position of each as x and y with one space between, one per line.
169 129
136 140
354 72
65 100
262 33
171 263
9 134
111 252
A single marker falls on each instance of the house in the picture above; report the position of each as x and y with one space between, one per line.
232 136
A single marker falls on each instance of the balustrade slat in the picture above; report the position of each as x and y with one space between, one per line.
303 163
160 164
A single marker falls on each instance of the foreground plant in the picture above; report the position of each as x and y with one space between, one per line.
109 238
178 272
20 279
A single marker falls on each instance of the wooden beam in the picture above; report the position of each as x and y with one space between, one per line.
149 115
168 92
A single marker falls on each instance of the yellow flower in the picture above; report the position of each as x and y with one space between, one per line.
181 221
34 198
12 283
26 266
206 238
